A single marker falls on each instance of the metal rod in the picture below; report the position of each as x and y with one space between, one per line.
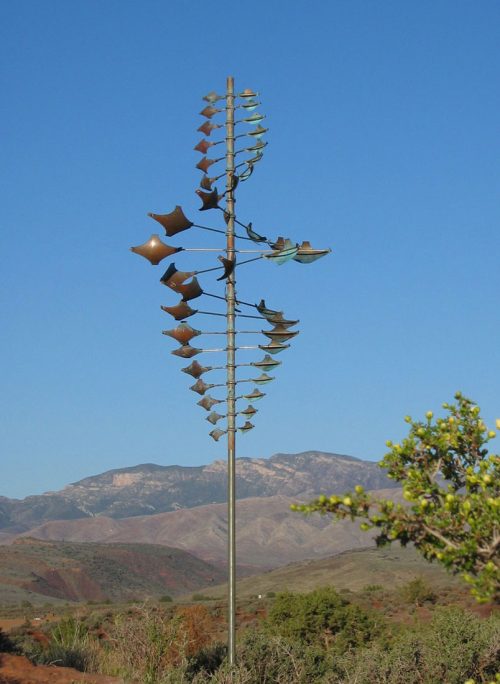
231 377
236 332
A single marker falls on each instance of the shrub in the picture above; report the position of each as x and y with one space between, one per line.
322 616
70 645
456 646
418 592
6 643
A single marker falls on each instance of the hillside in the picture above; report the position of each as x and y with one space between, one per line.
150 489
389 567
268 533
45 571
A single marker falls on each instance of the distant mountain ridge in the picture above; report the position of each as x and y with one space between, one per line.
149 489
268 533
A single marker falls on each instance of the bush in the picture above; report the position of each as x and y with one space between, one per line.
165 599
418 592
6 643
322 616
207 661
456 646
70 645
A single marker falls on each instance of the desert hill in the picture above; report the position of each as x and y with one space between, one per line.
41 571
387 567
150 489
268 533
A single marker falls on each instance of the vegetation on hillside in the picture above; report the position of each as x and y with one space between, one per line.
452 486
379 636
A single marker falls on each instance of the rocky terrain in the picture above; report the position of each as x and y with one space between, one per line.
38 571
269 534
150 489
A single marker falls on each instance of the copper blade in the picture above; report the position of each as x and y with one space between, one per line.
179 311
175 222
154 250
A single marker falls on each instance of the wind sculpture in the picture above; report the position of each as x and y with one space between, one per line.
187 285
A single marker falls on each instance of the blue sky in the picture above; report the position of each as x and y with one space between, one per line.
383 145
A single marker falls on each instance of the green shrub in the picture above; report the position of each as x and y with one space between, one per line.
418 592
322 616
454 647
70 645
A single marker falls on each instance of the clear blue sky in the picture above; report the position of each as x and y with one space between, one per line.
384 146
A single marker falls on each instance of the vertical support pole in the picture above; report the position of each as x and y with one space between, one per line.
231 376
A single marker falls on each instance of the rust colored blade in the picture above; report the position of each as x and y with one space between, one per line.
200 387
154 250
248 426
203 146
217 434
195 369
213 97
278 319
283 254
254 118
249 411
253 235
175 222
183 333
258 131
214 417
257 146
206 183
279 244
273 347
229 266
264 310
204 164
209 111
306 253
173 278
255 395
186 351
210 199
179 311
189 291
280 334
267 363
249 105
248 93
253 160
208 127
263 379
246 173
207 402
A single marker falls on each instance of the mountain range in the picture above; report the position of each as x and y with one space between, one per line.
149 489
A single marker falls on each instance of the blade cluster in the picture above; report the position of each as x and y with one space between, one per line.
250 145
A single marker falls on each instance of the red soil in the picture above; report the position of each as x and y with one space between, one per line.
18 670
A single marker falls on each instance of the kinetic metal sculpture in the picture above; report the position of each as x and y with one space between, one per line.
187 285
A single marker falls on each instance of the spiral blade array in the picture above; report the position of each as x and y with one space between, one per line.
250 146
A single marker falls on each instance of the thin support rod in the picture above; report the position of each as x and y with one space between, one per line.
231 377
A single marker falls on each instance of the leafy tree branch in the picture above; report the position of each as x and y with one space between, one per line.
452 488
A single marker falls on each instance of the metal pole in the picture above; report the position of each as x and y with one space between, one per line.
231 376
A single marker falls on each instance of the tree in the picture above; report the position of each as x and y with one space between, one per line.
452 489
